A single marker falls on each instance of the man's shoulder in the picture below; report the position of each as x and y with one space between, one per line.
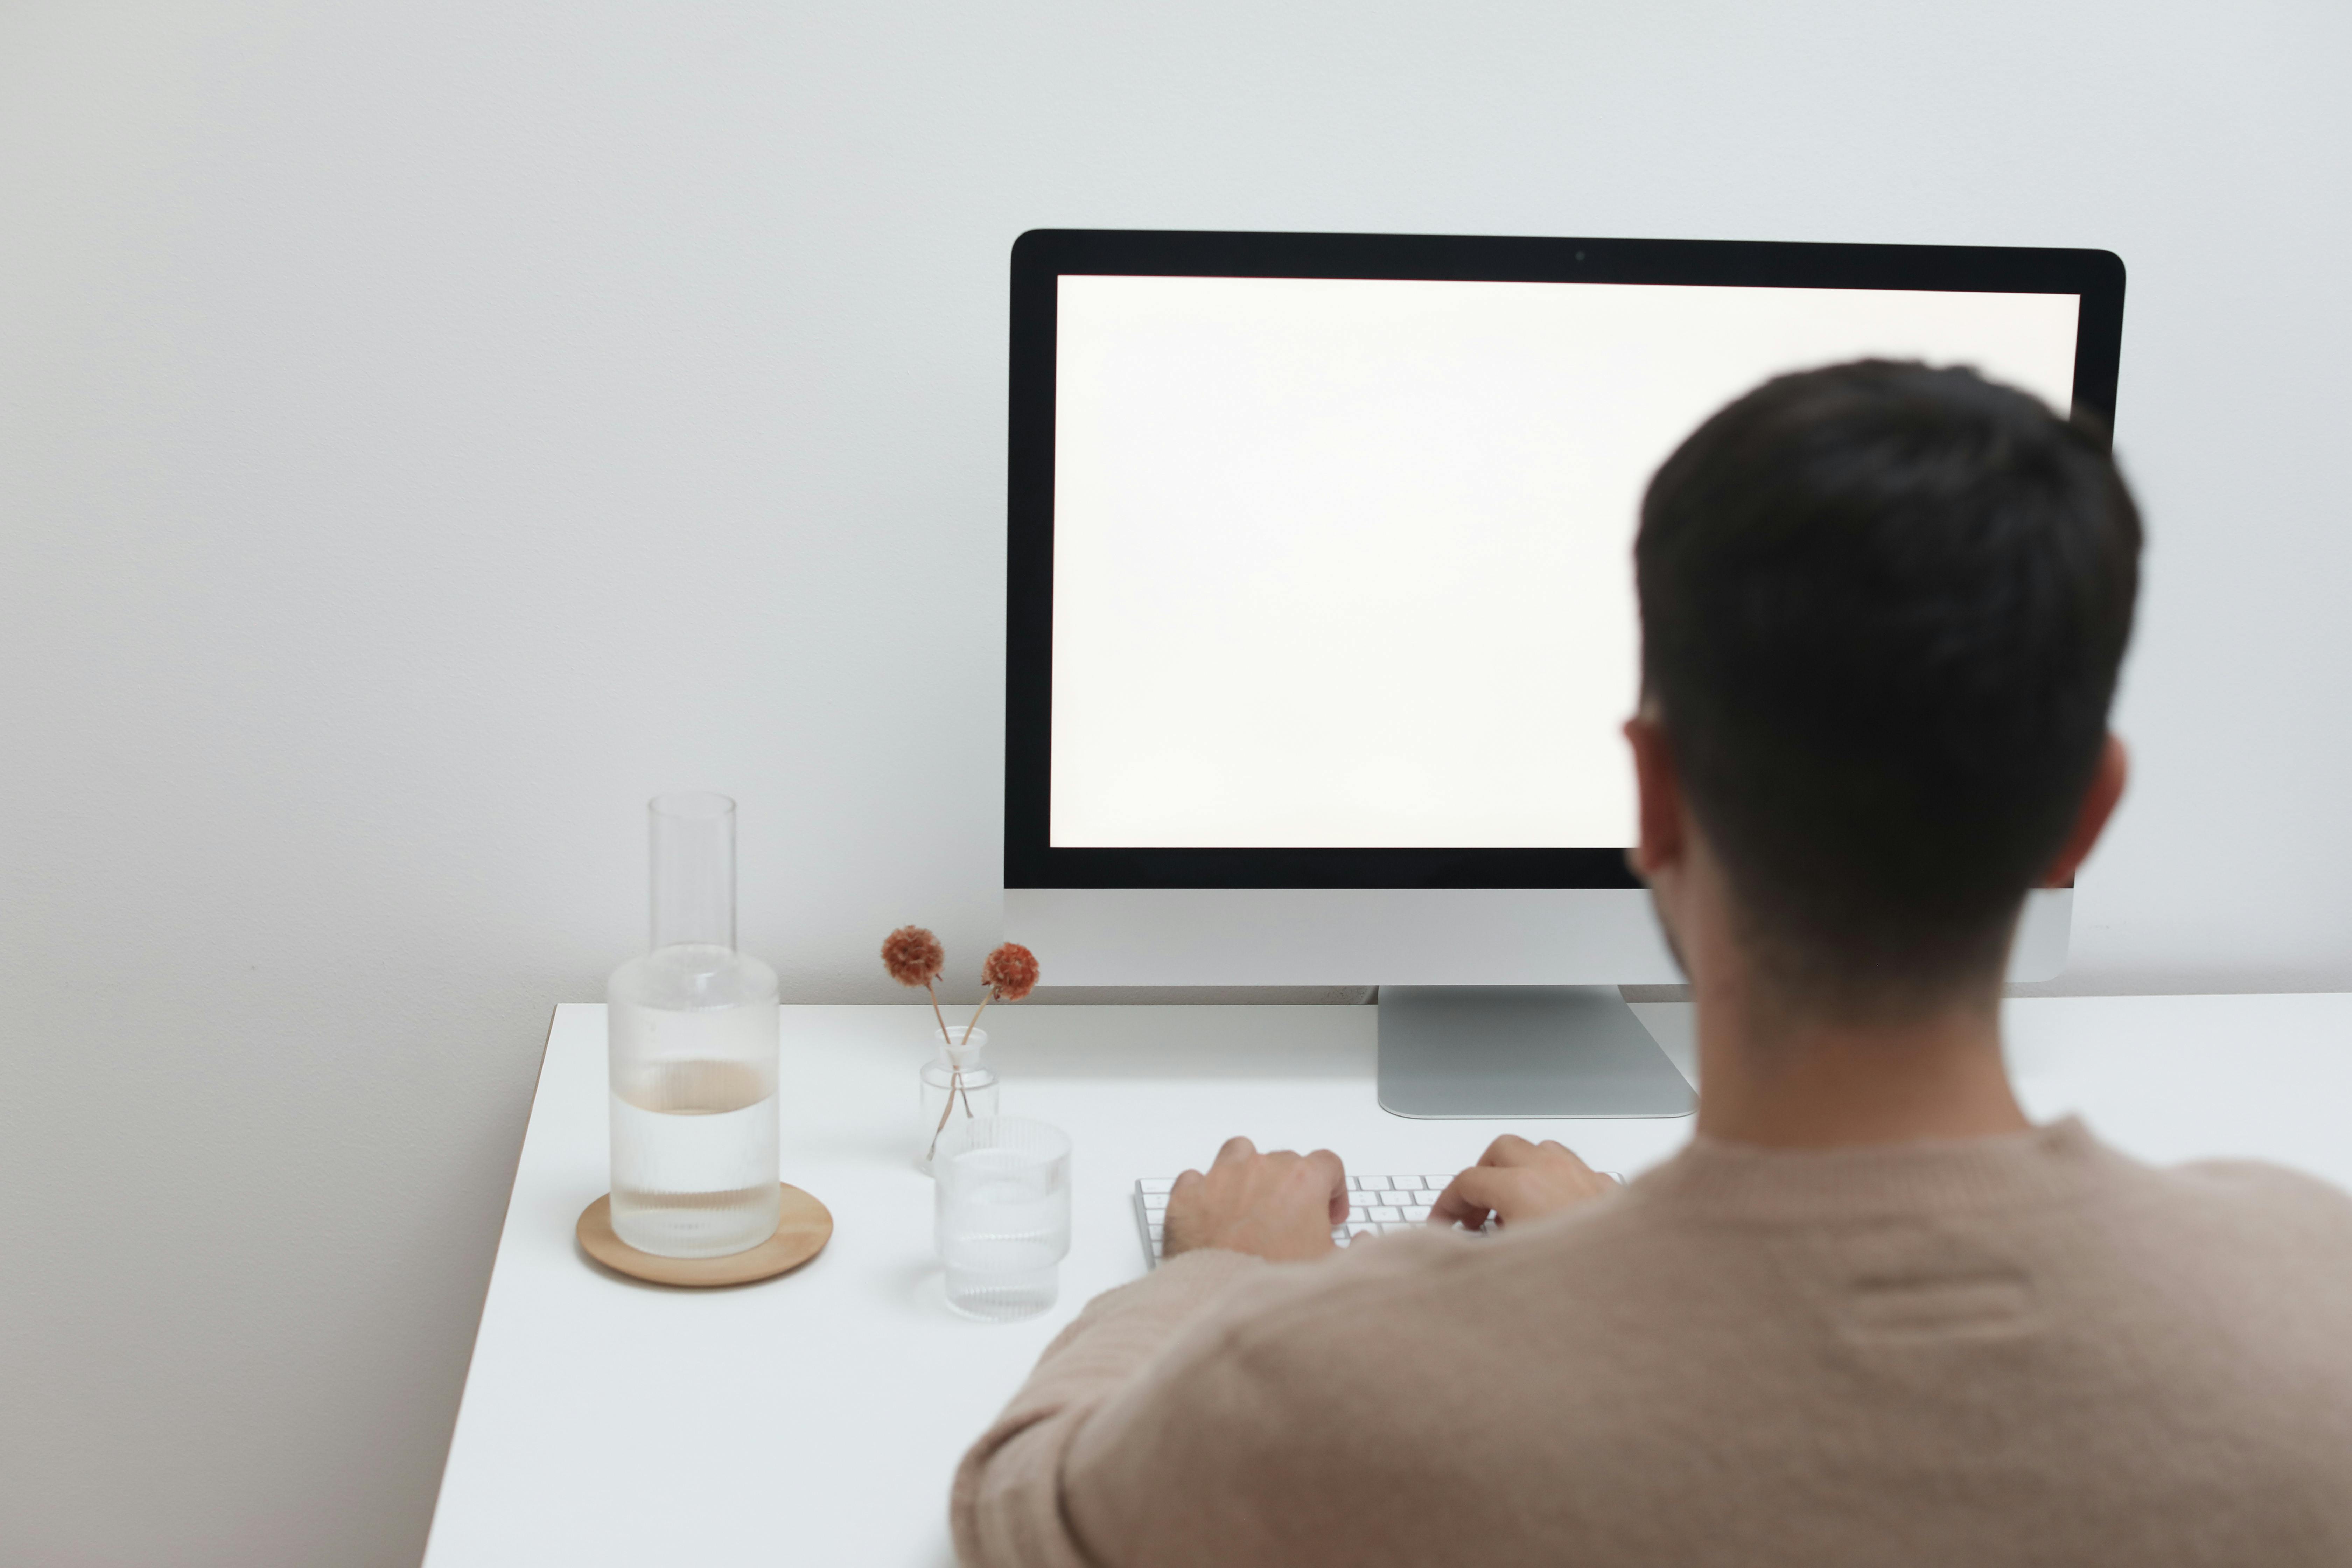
2259 1185
2265 1213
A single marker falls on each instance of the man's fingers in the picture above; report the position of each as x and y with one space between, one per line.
1469 1197
1484 1186
1448 1210
1333 1175
1510 1149
1557 1149
1271 1205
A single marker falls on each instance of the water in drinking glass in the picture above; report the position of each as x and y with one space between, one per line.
1002 1215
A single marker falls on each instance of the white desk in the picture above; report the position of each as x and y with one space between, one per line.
817 1418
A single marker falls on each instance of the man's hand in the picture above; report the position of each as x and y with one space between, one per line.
1280 1207
1516 1180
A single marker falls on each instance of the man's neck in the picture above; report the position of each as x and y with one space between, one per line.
1773 1076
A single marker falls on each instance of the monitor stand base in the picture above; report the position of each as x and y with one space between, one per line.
1511 1051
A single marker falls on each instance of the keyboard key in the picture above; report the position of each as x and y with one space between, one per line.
1155 1202
1354 1182
1375 1184
1157 1184
1386 1212
1418 1214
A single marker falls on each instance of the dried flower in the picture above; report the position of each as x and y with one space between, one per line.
914 956
1010 972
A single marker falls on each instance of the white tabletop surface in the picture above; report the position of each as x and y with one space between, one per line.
817 1418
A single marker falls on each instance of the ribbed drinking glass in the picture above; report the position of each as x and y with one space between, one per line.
1002 1215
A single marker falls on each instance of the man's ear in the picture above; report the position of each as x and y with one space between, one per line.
2091 820
1663 843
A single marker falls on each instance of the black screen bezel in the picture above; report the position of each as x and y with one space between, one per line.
1042 257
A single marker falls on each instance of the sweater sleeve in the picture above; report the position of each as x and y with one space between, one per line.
1172 1421
1006 1507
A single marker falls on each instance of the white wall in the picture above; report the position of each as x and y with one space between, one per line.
427 430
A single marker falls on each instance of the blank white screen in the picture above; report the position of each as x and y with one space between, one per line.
1348 564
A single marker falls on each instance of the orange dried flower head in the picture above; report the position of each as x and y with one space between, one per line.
913 956
1012 970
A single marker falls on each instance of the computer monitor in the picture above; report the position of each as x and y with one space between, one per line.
1321 616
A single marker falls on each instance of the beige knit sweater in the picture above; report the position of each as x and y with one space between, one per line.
2019 1350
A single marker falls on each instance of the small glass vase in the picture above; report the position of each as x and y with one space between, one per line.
691 1032
956 1087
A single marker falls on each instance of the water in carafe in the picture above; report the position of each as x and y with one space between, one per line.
694 1133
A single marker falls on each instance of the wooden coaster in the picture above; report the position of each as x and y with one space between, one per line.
802 1231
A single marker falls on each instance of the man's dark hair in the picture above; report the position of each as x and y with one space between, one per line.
1883 607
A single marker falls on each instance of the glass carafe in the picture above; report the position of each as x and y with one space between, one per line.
692 1038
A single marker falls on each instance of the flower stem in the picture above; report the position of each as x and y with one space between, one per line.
940 1016
976 1012
955 1083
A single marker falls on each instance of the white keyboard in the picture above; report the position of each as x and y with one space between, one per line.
1375 1203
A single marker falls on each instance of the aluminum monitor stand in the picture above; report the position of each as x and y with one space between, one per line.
1507 1051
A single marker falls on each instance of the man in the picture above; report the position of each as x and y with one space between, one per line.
1870 1315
